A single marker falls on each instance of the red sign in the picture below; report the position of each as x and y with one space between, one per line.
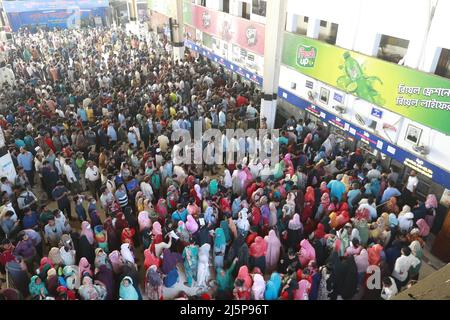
242 32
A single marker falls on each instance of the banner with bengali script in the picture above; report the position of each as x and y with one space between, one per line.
242 32
416 95
46 5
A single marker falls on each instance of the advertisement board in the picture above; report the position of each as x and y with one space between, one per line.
242 32
165 7
416 95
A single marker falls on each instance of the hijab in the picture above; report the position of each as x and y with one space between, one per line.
431 202
126 252
374 253
227 180
244 275
198 191
393 221
35 288
191 224
294 223
156 229
258 288
128 292
258 248
424 228
84 267
273 287
219 239
86 230
55 256
144 220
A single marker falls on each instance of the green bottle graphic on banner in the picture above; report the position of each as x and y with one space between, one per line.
356 82
306 56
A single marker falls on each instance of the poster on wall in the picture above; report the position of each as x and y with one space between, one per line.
7 168
245 33
413 134
445 199
416 95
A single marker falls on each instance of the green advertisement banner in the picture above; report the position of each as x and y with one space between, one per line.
165 7
416 95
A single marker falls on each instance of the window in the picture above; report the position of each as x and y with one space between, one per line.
203 3
226 6
392 49
245 11
301 26
328 32
259 7
443 66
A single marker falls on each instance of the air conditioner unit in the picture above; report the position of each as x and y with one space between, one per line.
340 109
423 150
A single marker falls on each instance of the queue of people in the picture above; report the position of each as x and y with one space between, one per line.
88 121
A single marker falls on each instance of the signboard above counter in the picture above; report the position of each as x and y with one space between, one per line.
414 94
245 33
410 160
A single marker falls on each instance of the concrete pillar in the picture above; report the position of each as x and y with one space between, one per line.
291 22
275 24
177 32
132 10
313 28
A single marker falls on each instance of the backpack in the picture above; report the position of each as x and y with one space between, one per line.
28 199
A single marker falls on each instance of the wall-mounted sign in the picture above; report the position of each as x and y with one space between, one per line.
439 175
337 97
416 95
377 113
242 32
309 84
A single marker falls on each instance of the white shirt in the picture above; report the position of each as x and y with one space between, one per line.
69 174
92 174
402 266
389 292
147 190
412 183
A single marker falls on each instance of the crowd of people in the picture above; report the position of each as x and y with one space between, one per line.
87 117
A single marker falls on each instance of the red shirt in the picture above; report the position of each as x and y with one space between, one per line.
241 101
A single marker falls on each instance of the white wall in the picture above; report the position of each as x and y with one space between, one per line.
362 22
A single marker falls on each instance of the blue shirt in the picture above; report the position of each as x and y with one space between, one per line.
112 133
179 216
25 160
337 189
82 114
389 193
30 221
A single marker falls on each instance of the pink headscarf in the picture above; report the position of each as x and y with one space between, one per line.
273 250
302 292
191 224
161 207
116 261
431 202
244 275
86 230
83 267
323 188
424 228
307 253
258 248
308 138
325 201
144 221
156 229
295 223
362 261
